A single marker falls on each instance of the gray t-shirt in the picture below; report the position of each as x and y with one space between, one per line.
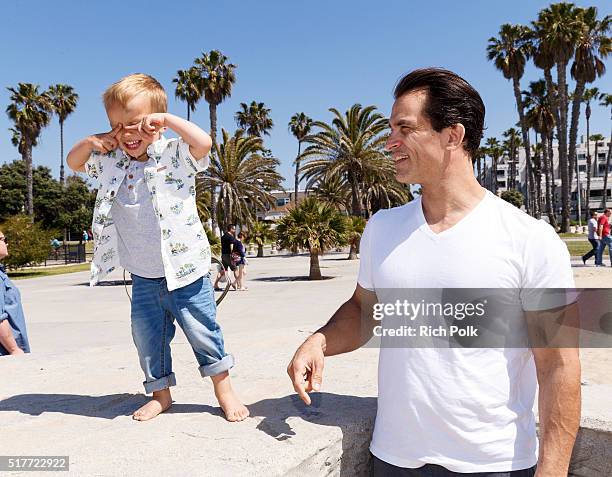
138 231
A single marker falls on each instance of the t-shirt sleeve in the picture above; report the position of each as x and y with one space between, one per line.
94 166
548 281
191 162
365 278
3 313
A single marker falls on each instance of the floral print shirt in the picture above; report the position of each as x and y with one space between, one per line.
170 178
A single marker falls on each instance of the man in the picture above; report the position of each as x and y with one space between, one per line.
450 411
593 238
605 240
228 241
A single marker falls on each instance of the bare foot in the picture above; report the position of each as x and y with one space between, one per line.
230 404
159 403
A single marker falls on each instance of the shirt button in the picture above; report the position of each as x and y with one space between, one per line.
130 187
130 176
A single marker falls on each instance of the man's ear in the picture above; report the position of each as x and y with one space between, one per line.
456 134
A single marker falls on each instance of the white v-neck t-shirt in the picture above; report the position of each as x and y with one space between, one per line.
469 410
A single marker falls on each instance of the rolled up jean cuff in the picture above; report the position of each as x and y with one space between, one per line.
219 367
159 384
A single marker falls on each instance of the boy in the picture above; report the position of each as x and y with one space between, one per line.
145 220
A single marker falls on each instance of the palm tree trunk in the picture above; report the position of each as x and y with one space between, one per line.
494 170
27 159
524 129
562 138
573 133
587 212
297 174
315 269
353 250
212 108
61 153
356 200
604 201
545 169
188 111
260 250
479 169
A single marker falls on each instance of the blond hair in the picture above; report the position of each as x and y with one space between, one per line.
132 85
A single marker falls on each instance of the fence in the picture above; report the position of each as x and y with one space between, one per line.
66 254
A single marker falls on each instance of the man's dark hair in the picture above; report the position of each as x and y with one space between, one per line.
450 100
593 213
229 227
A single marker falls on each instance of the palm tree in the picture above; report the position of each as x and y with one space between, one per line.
510 52
349 146
592 48
606 102
260 233
333 190
254 119
511 146
355 228
587 97
188 88
381 190
541 118
495 151
218 77
313 225
244 175
597 138
63 101
558 28
30 112
300 126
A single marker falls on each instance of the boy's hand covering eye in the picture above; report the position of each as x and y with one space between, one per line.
151 124
106 142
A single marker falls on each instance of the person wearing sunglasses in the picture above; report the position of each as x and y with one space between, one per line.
13 334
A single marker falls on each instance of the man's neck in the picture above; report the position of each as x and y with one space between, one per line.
449 200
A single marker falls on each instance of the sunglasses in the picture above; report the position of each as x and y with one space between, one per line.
4 239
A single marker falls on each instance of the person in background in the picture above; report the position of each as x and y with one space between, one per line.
593 238
228 246
13 334
241 262
605 240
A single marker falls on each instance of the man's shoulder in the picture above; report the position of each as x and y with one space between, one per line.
393 214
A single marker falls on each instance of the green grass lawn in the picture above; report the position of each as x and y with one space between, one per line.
46 271
569 235
578 247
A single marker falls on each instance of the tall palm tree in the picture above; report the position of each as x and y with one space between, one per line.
511 145
218 77
349 146
381 190
558 27
540 117
510 51
589 95
188 88
592 48
63 101
597 138
334 190
606 102
300 126
495 151
254 119
313 225
244 176
30 112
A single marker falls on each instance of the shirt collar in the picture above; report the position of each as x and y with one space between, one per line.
157 147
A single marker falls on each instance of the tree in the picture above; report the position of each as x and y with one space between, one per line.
510 52
188 88
593 45
63 102
589 95
30 244
29 111
260 233
254 119
313 225
244 176
606 102
495 151
217 77
514 197
76 205
355 228
349 146
557 30
300 126
511 146
381 190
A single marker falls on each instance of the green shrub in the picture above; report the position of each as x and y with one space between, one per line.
29 244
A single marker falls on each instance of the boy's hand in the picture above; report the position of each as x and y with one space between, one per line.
151 124
106 142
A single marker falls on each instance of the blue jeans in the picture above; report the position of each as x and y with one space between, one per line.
154 310
603 243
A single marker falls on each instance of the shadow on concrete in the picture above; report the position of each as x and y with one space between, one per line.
287 279
107 283
352 414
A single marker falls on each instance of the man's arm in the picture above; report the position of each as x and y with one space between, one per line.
559 399
7 339
349 328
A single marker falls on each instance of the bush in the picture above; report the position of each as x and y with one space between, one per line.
514 197
29 244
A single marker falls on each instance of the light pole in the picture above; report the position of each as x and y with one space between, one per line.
578 195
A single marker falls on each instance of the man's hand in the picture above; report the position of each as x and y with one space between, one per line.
106 142
306 368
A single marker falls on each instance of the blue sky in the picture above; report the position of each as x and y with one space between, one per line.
305 56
